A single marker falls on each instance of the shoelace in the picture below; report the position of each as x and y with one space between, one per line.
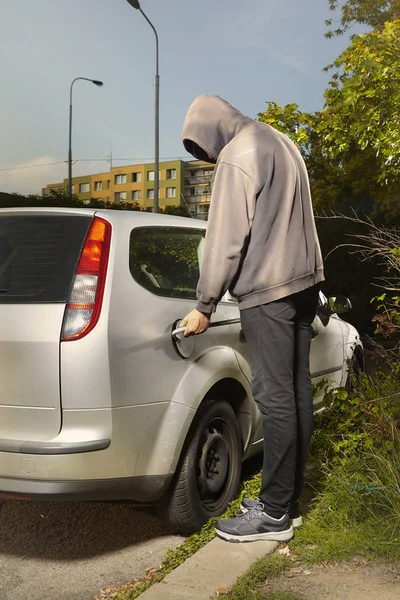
254 512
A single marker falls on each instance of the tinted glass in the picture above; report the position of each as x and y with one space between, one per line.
38 256
165 260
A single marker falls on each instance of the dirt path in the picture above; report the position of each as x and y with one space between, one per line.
356 580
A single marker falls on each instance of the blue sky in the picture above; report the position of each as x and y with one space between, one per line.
246 51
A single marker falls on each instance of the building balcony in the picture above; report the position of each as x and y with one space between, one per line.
198 180
198 199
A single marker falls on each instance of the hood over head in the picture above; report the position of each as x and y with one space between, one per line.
210 124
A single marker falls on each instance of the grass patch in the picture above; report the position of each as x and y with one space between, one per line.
353 505
356 447
253 583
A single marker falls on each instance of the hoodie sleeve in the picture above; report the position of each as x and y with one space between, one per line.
231 214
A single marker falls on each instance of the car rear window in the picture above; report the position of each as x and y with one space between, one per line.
38 256
166 260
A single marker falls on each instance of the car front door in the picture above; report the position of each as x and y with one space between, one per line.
326 356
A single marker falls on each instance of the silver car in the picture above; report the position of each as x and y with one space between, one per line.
101 395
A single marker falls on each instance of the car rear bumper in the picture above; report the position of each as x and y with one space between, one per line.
20 447
140 489
82 464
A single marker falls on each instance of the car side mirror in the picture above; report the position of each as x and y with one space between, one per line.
339 304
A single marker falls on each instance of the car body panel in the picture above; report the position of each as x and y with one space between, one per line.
29 371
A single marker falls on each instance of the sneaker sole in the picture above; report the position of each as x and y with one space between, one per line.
296 523
271 536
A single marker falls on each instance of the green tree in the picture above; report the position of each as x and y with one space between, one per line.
372 13
362 102
352 145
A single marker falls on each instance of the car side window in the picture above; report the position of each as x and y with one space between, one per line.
166 260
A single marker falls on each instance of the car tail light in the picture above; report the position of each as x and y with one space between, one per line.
86 296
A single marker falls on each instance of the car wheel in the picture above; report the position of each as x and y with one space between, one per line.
208 475
356 369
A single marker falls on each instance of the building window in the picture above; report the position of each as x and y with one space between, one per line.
171 192
98 186
108 184
150 194
171 173
136 195
120 196
136 177
150 175
120 179
84 188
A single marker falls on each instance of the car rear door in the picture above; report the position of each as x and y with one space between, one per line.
38 255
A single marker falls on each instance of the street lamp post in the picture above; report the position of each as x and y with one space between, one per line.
96 82
136 4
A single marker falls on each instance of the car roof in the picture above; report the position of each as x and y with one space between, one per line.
135 217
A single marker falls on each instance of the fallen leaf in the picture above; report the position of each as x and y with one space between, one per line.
325 563
221 591
284 551
307 572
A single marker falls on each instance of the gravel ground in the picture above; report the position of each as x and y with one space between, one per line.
355 580
69 551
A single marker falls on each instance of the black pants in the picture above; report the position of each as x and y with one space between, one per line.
278 337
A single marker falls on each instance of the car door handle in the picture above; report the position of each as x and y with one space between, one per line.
176 332
179 330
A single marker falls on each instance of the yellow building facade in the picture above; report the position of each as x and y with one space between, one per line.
180 184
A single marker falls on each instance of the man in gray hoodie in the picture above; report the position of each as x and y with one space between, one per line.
262 246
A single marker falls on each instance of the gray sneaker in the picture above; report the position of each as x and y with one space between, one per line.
255 525
294 510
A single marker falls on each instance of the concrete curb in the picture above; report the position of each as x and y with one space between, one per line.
217 565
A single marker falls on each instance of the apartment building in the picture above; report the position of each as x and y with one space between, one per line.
197 188
181 184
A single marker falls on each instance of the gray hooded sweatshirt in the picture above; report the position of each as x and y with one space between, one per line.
261 240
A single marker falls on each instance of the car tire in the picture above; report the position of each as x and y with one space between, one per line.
356 370
208 475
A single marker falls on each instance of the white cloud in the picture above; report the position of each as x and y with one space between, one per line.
31 176
291 61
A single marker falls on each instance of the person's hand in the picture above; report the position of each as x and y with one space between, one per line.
195 322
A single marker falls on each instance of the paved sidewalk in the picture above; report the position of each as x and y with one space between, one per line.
217 565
